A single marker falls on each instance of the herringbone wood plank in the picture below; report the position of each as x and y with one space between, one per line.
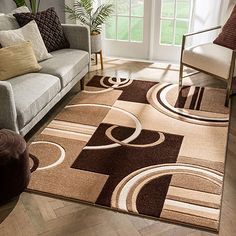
33 214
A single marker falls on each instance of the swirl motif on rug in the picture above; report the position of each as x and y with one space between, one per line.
114 83
125 194
147 148
56 163
160 96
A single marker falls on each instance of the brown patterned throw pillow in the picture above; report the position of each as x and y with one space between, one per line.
227 37
49 26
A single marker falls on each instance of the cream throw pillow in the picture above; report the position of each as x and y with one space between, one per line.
19 10
29 32
17 60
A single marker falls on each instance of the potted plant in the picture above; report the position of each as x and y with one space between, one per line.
34 4
84 12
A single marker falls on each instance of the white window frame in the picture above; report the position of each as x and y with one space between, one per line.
130 16
151 49
175 19
129 48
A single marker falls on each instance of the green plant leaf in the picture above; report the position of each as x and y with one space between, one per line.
87 5
33 5
100 16
77 15
83 11
19 3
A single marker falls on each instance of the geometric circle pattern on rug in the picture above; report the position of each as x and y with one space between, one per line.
147 148
114 83
57 162
138 128
163 96
129 188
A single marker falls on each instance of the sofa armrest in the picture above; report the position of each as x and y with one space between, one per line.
78 36
8 115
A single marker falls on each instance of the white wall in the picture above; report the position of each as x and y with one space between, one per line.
206 14
57 4
227 6
7 6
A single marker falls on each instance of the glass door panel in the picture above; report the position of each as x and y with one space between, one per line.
128 28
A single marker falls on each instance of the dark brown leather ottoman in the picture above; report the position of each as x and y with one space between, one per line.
14 165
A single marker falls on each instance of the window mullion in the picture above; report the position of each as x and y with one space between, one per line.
116 22
174 25
130 20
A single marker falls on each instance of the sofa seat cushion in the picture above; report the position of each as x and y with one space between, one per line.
32 92
209 57
65 64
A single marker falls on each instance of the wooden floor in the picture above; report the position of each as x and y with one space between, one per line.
33 214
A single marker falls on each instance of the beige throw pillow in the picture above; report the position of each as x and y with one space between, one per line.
29 32
17 60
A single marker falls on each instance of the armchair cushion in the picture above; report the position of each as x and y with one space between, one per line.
209 57
227 37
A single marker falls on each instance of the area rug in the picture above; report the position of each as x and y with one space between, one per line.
146 148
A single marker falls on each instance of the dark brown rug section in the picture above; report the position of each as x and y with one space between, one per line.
121 161
140 94
151 198
96 81
182 97
135 92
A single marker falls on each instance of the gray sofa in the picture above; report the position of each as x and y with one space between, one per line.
26 99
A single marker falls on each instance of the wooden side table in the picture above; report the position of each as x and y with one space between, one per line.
101 58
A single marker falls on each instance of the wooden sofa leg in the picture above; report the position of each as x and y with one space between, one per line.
181 69
82 83
228 92
227 100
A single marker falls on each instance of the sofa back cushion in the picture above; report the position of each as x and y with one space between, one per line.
17 60
49 26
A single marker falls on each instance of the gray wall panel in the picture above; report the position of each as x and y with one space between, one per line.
7 6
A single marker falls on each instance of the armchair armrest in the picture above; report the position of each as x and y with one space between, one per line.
8 115
78 36
202 31
193 34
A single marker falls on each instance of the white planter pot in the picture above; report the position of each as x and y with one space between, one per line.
96 43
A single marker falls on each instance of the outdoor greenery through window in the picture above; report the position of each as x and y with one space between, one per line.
126 23
175 17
